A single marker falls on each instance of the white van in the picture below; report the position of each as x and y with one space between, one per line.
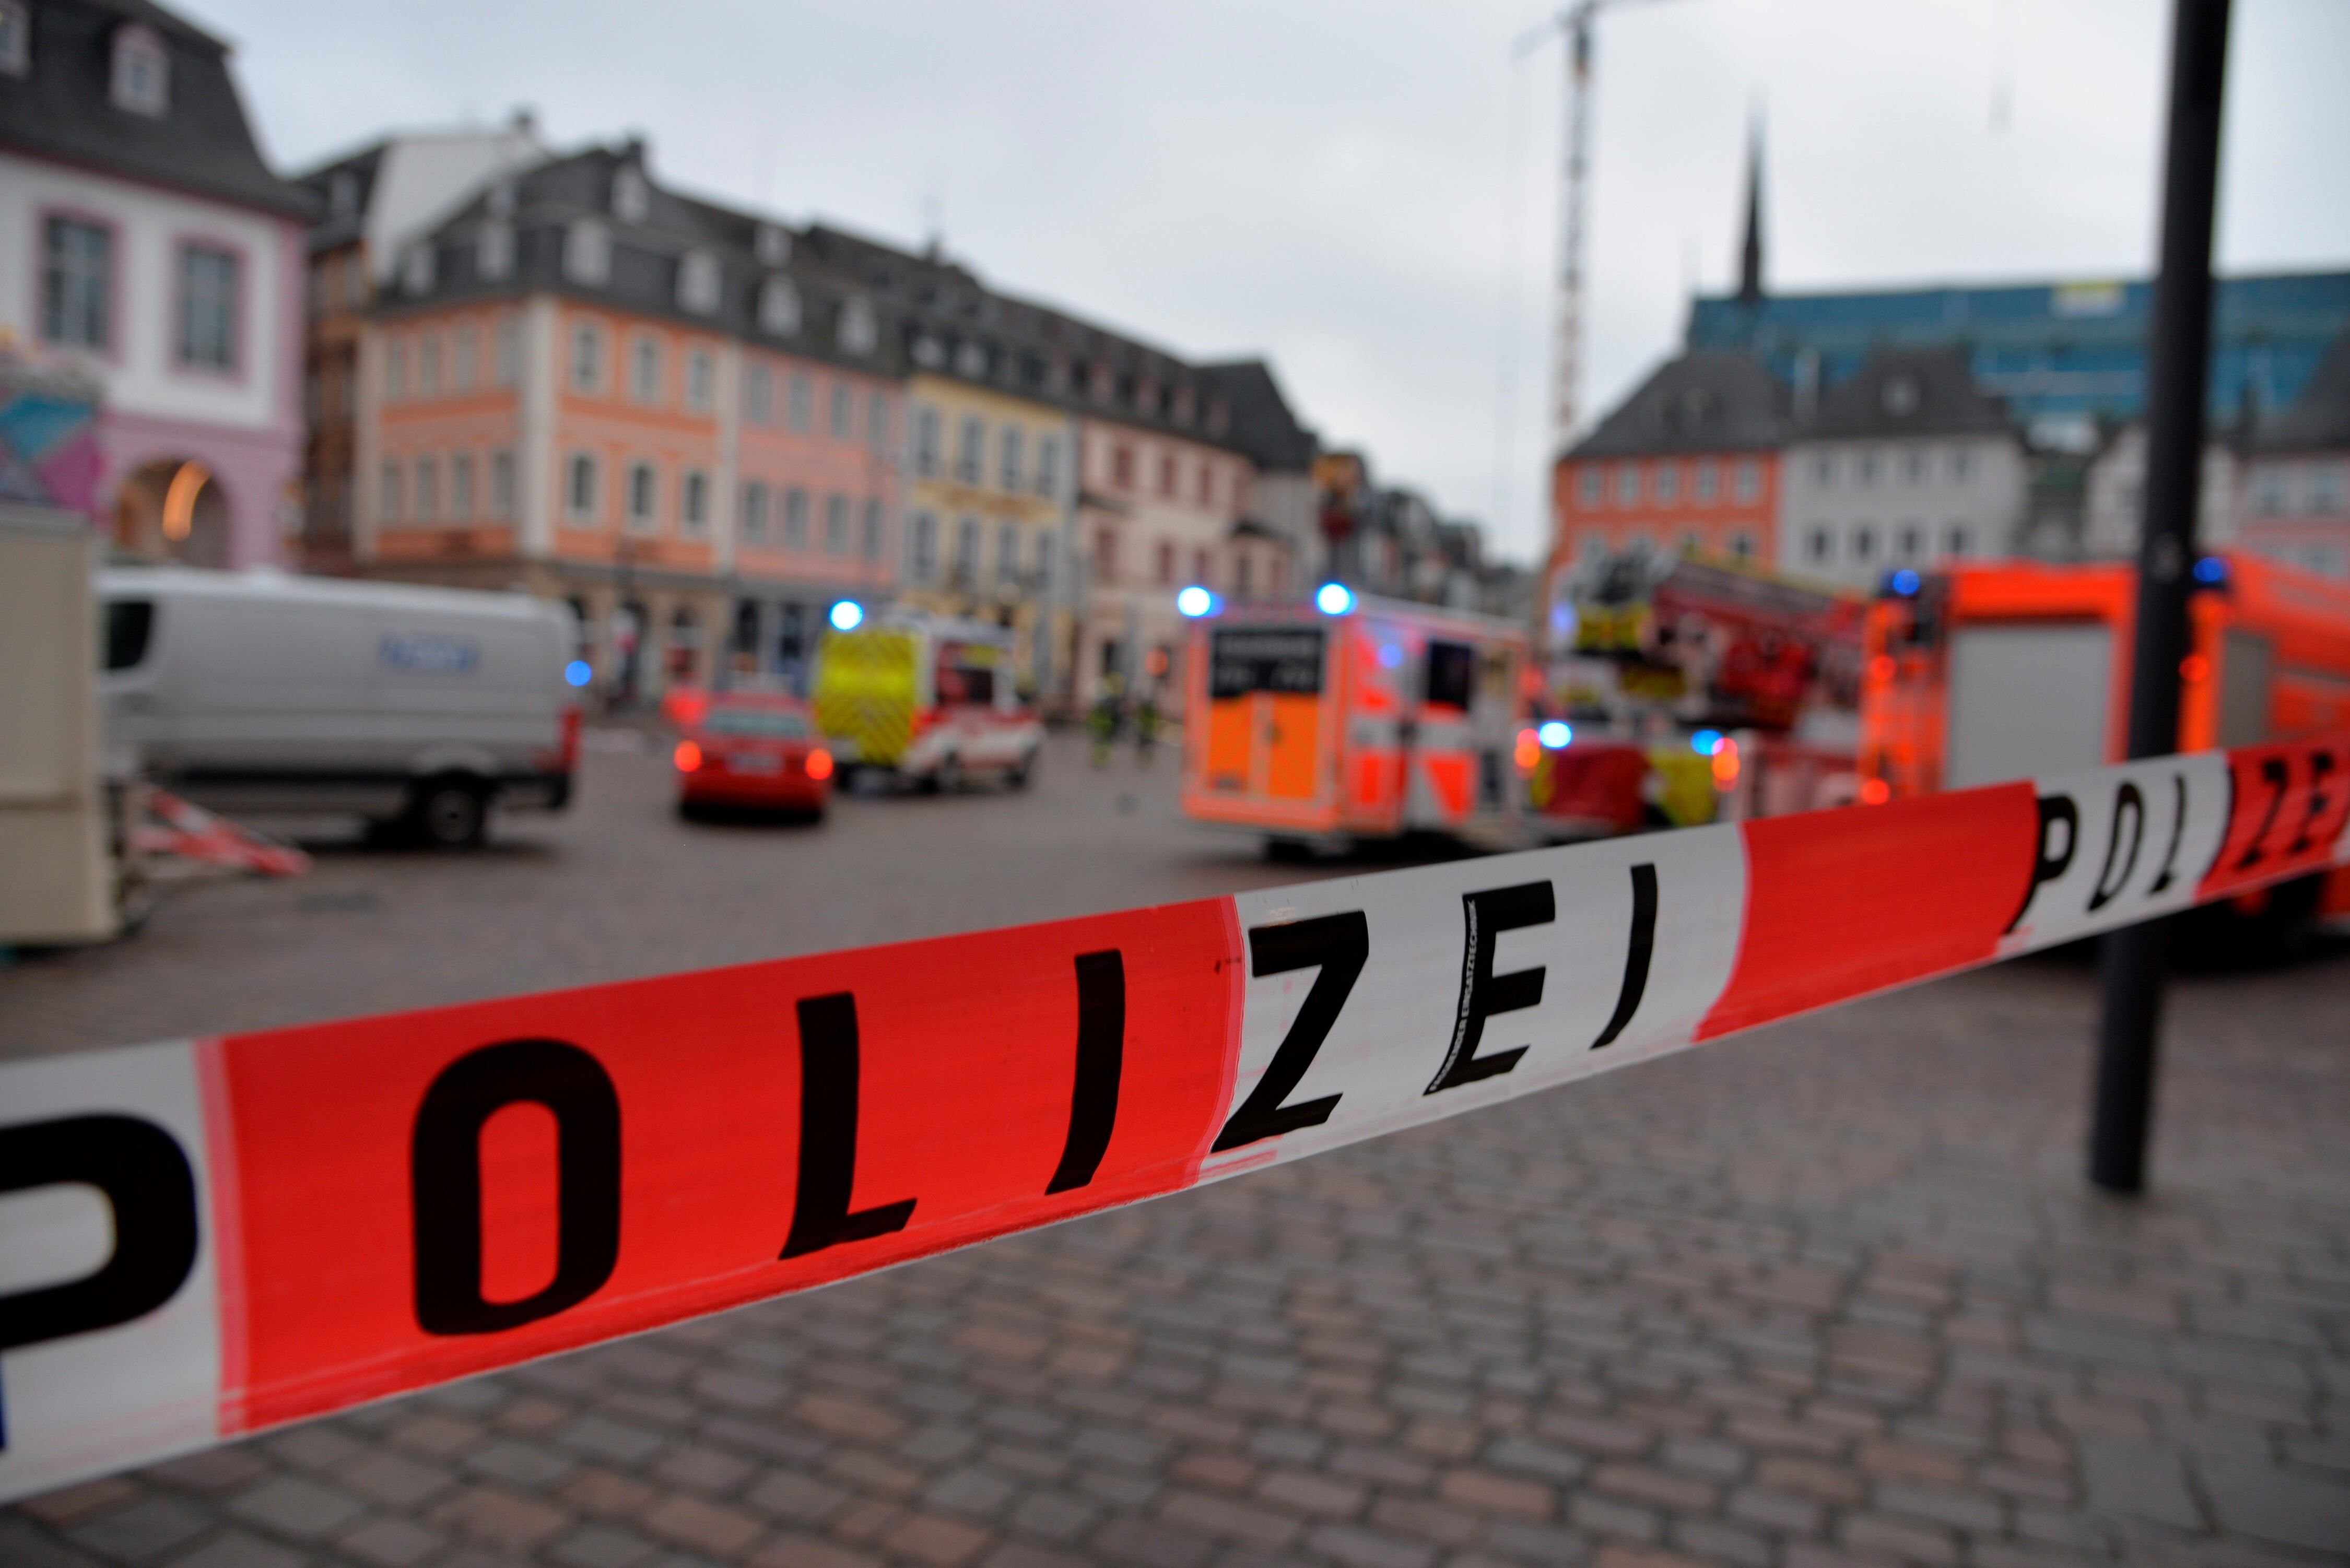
260 691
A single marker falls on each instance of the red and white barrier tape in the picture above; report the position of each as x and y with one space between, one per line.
305 1218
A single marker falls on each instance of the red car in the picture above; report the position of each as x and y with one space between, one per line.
753 750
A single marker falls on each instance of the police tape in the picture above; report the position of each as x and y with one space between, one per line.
209 1237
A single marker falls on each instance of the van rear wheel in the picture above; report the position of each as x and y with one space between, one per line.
450 813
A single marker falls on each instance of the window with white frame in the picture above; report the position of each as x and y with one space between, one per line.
1008 553
77 284
2326 489
461 488
386 502
1819 545
701 380
464 355
835 524
876 419
208 288
770 245
1909 543
872 530
1913 467
643 498
922 548
1587 482
581 499
693 504
1958 540
494 250
970 448
395 370
586 359
1013 449
1668 483
759 395
502 483
844 410
858 332
966 552
1048 465
755 512
645 370
141 79
802 396
699 282
1824 471
587 252
1746 480
1864 468
2268 490
1864 543
779 307
419 267
632 195
506 352
15 39
1706 483
795 518
428 490
1962 463
927 438
1047 542
428 365
1627 484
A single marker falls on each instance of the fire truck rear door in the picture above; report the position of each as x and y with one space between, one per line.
2026 697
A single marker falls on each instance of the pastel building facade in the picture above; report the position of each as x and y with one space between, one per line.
146 246
664 411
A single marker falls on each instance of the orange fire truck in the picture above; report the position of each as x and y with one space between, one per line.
1345 719
2009 669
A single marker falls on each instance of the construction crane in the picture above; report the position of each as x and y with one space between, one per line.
1574 24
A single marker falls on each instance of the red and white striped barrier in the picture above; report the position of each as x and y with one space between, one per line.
205 1238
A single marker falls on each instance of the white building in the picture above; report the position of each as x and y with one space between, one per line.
2114 508
143 239
1906 463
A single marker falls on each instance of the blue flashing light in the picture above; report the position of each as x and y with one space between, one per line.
1333 599
578 672
1556 735
847 616
1390 656
1903 582
2211 571
1196 601
1705 742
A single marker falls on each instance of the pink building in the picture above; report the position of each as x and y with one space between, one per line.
144 243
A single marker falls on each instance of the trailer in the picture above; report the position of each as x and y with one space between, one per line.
1342 719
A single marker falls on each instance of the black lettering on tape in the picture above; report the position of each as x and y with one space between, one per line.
1101 1054
444 1164
1487 914
2127 802
820 1216
1337 945
1638 953
146 1180
2319 765
2277 778
2047 867
2177 833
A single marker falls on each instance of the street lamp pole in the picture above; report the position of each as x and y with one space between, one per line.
2132 962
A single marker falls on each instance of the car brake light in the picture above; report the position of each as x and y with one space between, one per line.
820 763
688 756
571 738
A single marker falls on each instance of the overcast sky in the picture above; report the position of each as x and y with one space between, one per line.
1366 194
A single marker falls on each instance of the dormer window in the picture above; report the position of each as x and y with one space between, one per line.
1901 397
971 360
858 332
416 268
587 252
697 282
929 352
141 82
493 254
501 204
779 307
772 246
15 39
632 195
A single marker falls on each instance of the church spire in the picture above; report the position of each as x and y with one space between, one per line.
1750 259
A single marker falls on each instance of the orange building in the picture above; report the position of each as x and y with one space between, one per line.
591 388
1689 462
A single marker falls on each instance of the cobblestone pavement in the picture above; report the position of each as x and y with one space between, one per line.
1830 1293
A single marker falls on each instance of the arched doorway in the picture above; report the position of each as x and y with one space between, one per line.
683 657
174 509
